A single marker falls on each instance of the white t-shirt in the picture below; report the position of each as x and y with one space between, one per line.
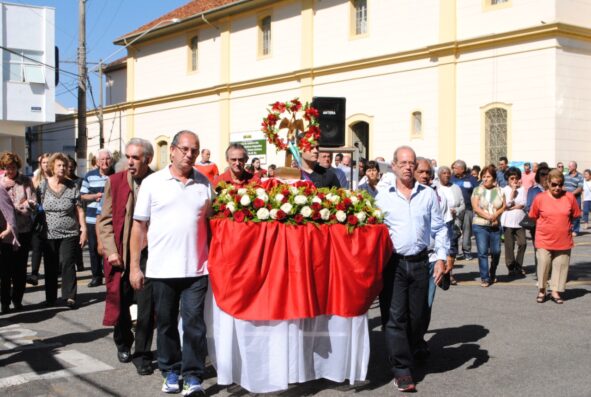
512 217
586 190
178 213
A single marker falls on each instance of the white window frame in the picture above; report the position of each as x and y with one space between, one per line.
265 35
29 65
360 17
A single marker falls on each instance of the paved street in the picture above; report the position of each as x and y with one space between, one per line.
485 342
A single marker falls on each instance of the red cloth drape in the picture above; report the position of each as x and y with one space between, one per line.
273 271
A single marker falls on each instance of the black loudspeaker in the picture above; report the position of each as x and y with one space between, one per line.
331 118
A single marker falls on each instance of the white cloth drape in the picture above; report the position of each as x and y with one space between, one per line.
265 356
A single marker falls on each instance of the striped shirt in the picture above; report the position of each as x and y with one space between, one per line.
571 183
93 183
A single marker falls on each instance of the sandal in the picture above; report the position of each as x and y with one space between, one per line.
558 300
541 298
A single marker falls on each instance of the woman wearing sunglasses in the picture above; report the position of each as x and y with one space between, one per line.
554 211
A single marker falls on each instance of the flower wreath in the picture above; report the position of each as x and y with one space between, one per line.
297 133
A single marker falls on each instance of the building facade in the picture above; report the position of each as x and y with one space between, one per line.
469 79
27 93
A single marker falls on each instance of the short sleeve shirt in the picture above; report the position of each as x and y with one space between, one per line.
60 210
572 182
178 231
93 183
489 200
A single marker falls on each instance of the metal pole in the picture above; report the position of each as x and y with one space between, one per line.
101 104
82 141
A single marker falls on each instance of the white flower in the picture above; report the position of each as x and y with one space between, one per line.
300 199
348 193
293 190
325 214
263 214
341 216
245 200
306 212
377 213
361 216
286 207
317 199
241 191
333 198
264 197
354 200
273 213
279 197
231 207
260 192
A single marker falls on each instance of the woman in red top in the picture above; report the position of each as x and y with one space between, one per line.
554 211
257 169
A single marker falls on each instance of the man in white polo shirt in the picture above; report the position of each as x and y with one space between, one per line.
172 211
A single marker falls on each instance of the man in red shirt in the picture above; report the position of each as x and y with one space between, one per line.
206 167
527 178
236 174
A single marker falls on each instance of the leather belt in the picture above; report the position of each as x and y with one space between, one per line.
421 256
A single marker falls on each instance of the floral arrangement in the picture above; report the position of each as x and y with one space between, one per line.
302 133
296 204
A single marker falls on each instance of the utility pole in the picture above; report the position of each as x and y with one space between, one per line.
82 141
100 114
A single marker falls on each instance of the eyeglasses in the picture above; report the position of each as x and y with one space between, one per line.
553 184
184 150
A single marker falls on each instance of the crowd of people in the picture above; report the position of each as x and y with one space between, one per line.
147 234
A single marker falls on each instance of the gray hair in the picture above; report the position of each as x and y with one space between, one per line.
426 160
106 151
404 147
177 136
460 163
144 144
237 146
442 169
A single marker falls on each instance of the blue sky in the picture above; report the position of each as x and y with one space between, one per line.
105 21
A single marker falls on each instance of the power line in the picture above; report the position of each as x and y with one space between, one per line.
36 61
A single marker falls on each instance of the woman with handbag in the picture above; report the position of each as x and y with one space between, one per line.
515 200
13 272
488 205
554 211
66 228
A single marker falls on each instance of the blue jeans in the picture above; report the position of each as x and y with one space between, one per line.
577 221
487 239
190 293
586 209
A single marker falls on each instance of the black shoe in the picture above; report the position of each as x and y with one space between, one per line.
17 306
5 309
124 356
32 279
145 369
95 282
71 303
49 303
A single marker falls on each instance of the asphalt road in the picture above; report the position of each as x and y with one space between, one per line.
485 342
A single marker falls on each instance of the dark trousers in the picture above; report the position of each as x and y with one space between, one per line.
96 261
13 271
37 242
514 236
404 303
60 254
190 293
144 329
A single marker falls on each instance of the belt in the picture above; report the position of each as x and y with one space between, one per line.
421 256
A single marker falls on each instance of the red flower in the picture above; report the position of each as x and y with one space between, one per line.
285 192
341 206
222 207
298 218
333 217
321 196
239 216
316 206
295 105
352 220
372 220
279 107
285 199
316 215
258 203
311 112
281 215
227 213
272 119
246 212
347 202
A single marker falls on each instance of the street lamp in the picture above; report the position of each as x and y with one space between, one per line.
100 73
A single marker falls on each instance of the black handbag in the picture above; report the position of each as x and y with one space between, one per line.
40 221
528 223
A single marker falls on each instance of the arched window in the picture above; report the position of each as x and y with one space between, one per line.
361 138
495 134
162 155
265 36
194 46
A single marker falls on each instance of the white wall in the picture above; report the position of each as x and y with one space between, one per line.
574 12
116 87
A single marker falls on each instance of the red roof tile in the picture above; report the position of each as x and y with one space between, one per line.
190 9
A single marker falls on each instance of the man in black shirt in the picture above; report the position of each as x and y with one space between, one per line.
312 171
